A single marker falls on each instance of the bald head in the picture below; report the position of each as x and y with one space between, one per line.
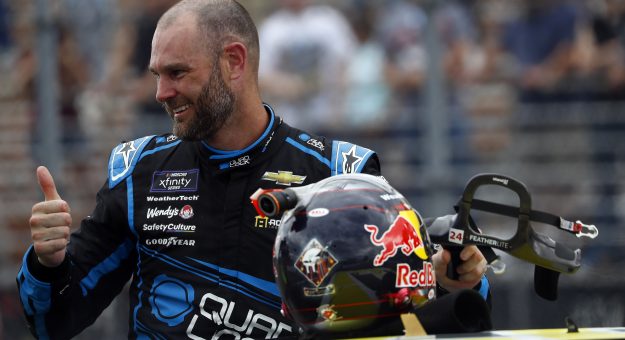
219 22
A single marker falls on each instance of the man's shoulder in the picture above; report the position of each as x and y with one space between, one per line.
126 155
340 156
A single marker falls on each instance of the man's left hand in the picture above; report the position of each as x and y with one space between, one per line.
470 271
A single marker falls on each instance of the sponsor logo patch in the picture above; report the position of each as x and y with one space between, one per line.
407 277
319 212
351 160
243 160
169 242
312 142
179 198
283 177
266 222
403 234
186 212
327 312
315 262
319 291
156 212
175 181
169 228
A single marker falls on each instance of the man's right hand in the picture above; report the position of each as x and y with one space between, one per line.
50 222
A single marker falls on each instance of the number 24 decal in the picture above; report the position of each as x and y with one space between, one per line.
456 235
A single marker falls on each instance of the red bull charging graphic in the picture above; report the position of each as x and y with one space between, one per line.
403 234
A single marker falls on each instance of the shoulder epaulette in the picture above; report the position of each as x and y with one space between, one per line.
123 159
348 158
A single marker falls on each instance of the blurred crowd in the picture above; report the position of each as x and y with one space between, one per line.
361 64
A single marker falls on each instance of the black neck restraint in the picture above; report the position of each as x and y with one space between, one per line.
549 257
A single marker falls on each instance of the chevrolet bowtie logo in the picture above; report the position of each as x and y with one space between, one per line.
283 177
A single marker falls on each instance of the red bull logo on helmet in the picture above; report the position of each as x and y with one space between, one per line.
408 277
403 234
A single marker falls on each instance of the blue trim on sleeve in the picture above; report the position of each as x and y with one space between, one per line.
124 158
131 205
348 158
38 293
108 265
137 324
308 151
160 148
485 287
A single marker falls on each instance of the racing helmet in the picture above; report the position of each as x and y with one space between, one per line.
351 252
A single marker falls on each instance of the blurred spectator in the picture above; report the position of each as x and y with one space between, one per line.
367 90
541 41
471 31
4 26
128 74
600 51
92 23
73 76
401 30
306 48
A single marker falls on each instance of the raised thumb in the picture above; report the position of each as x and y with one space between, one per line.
46 182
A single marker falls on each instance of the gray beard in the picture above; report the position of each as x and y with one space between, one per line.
213 108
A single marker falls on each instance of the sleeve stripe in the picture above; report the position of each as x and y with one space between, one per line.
108 265
484 287
309 151
35 297
131 205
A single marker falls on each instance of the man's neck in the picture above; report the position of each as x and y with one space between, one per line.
245 126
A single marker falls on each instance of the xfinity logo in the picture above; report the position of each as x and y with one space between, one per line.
173 181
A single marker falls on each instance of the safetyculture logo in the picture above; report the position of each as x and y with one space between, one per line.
175 180
283 177
315 262
403 234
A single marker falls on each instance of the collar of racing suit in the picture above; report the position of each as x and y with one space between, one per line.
263 147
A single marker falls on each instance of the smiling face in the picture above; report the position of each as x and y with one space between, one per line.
190 84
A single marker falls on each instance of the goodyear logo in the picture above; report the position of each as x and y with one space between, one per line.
283 177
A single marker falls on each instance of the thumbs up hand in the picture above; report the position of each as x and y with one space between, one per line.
50 222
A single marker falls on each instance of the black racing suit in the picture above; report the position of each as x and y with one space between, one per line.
176 217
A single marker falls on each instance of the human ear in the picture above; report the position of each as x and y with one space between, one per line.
235 57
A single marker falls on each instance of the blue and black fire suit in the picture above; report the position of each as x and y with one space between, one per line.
176 217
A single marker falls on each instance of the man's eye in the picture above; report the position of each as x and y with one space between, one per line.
177 73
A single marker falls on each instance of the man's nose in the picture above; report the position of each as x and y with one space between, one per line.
164 90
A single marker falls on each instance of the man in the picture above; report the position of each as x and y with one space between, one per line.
175 212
